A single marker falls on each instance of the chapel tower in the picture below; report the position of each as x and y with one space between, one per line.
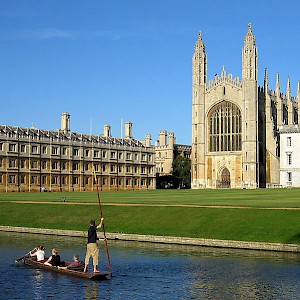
250 159
198 114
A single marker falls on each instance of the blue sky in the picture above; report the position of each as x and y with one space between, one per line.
107 60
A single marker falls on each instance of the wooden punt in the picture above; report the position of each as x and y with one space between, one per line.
78 272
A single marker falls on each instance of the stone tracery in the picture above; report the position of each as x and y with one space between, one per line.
225 127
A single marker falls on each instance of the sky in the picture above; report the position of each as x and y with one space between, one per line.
112 61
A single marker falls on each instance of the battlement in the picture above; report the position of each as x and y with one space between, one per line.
236 82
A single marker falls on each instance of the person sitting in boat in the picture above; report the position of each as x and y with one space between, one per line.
76 264
38 254
54 259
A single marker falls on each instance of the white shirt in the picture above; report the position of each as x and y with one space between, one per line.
40 255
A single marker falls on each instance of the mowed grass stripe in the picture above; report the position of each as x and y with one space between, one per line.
151 205
248 198
281 226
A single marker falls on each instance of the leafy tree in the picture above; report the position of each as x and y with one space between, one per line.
167 182
182 170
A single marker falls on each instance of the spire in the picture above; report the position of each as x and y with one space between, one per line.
250 38
268 100
223 73
279 103
200 46
266 81
199 62
288 89
289 103
250 67
277 85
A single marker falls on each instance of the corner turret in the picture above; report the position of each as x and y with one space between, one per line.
250 110
198 113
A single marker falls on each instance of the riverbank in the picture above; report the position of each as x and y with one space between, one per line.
163 239
236 224
239 216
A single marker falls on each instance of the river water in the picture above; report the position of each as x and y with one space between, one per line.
150 271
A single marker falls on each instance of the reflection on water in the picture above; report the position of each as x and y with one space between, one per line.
91 289
38 284
151 271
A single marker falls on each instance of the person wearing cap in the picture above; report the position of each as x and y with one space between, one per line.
92 249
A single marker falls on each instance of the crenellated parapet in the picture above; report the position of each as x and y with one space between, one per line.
223 78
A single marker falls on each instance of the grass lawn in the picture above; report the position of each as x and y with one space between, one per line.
268 198
255 224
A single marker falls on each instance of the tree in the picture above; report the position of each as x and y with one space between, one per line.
182 170
167 182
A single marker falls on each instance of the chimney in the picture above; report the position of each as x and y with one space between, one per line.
128 130
148 140
65 122
107 131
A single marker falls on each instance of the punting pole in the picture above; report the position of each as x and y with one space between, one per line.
18 259
103 227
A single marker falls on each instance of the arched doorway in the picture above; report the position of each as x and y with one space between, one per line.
224 179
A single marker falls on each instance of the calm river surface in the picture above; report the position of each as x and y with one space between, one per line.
151 271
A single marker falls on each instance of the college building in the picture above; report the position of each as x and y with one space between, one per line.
236 124
166 149
43 160
289 155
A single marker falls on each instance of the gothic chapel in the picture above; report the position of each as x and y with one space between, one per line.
235 123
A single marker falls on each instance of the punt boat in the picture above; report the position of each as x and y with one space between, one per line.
73 272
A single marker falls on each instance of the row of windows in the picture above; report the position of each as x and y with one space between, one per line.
77 152
34 164
75 180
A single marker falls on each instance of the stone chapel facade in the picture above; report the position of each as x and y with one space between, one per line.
235 123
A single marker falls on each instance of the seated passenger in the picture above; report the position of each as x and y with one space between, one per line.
76 264
39 253
54 259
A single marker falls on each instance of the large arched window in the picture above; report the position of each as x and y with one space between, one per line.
225 127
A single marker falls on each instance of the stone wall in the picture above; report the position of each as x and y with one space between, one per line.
164 239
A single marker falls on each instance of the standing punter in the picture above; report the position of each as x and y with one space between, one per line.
92 247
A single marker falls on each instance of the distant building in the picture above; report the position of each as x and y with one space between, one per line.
43 160
290 156
166 150
235 123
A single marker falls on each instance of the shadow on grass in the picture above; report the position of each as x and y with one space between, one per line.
294 239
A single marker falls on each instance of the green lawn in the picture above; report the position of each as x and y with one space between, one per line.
255 224
249 198
232 224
